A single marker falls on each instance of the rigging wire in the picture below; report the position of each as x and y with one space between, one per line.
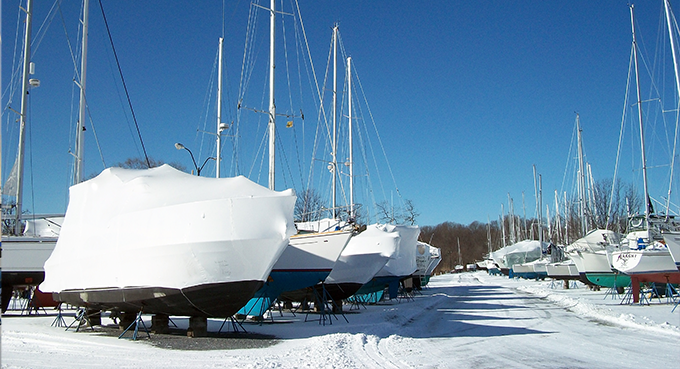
134 118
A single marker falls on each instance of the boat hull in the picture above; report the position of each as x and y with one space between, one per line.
562 271
672 240
209 300
633 262
307 260
23 260
609 279
168 242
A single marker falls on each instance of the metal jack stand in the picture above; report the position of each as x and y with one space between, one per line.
613 292
136 323
32 305
82 319
236 326
405 293
326 306
59 320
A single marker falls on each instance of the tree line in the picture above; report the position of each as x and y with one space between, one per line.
609 206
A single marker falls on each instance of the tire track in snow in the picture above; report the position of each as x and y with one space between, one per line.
376 353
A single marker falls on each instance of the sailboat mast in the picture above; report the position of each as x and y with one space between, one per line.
581 180
460 258
22 118
80 127
351 147
219 111
334 164
540 210
677 84
488 234
642 134
272 106
503 223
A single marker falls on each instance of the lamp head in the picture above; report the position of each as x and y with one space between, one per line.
179 146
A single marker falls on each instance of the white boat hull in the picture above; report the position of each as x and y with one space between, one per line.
634 262
562 270
313 251
672 240
26 254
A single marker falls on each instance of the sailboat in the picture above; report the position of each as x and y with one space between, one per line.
363 257
591 254
643 254
309 257
27 242
366 253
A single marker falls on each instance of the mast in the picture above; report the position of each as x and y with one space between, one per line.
642 134
334 164
524 214
581 180
511 213
272 106
219 111
80 127
540 211
22 118
460 258
536 209
557 219
503 223
351 147
488 234
677 84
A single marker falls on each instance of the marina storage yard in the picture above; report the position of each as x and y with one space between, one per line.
459 320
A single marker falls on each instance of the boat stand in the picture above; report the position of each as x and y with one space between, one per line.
355 303
265 304
671 293
136 323
405 293
32 304
82 318
59 320
628 298
326 306
236 326
613 292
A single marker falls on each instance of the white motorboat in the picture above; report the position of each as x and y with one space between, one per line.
166 242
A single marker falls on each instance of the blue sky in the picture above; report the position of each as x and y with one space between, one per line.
467 96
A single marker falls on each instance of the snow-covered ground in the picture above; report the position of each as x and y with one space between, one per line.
468 320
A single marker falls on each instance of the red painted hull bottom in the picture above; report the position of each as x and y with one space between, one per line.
665 277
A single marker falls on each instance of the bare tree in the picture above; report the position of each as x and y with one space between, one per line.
410 213
140 163
309 206
386 213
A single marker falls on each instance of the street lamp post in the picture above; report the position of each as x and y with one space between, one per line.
179 146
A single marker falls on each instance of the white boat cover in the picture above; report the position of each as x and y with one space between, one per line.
364 255
162 227
403 263
518 253
595 240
